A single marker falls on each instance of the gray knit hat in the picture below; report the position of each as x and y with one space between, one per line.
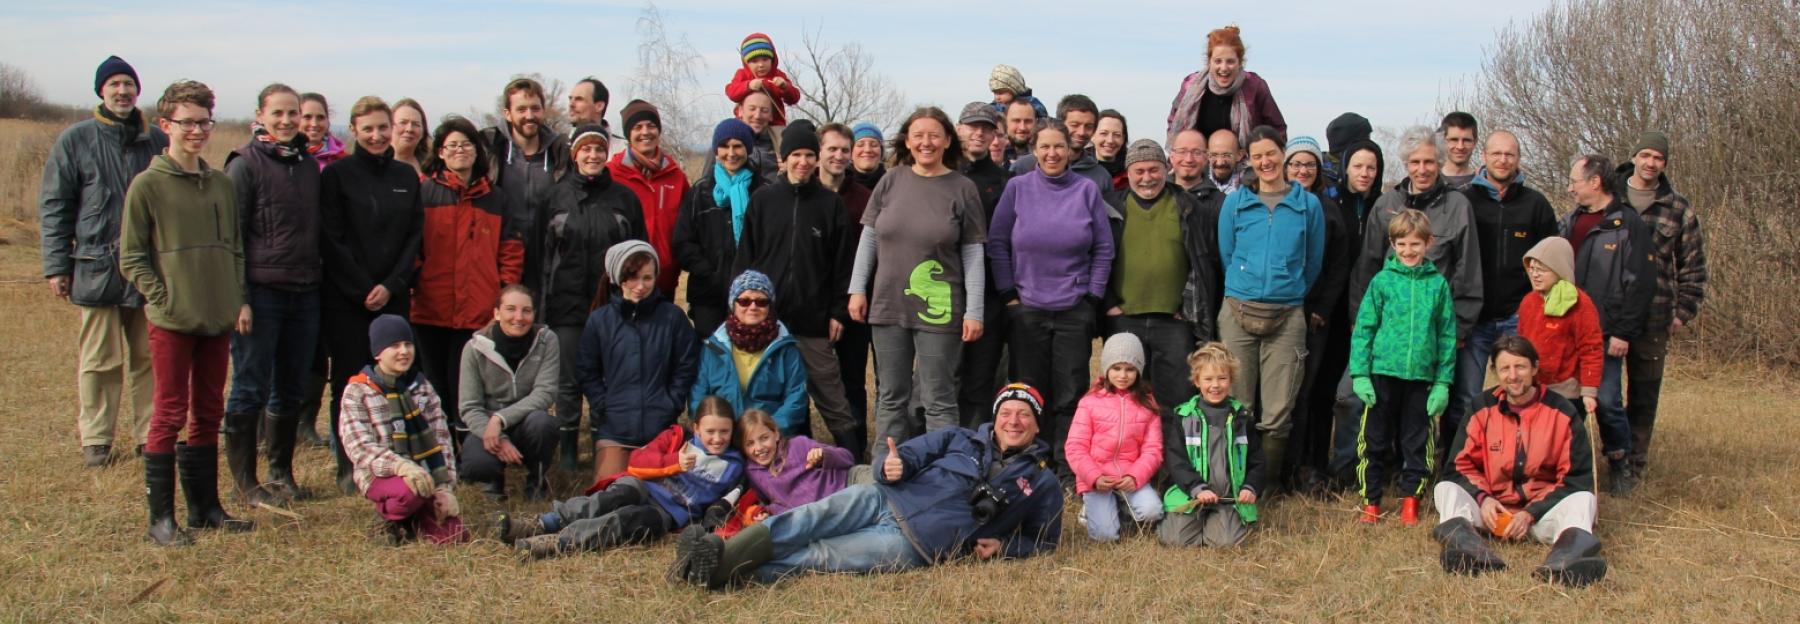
1122 347
1555 253
616 255
1145 149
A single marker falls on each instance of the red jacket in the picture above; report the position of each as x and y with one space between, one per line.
1569 346
658 459
739 87
1528 457
470 248
660 192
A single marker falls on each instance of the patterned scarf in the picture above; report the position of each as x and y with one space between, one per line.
409 435
751 338
285 151
732 190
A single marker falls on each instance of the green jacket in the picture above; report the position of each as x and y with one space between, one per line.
1186 460
181 246
1406 325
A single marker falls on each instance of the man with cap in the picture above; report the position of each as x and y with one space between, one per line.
526 159
658 181
951 493
1680 259
797 233
1166 280
90 165
980 375
837 144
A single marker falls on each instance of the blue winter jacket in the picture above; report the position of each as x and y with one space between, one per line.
932 501
688 493
777 386
1271 256
636 366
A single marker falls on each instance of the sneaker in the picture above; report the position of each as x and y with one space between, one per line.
1371 514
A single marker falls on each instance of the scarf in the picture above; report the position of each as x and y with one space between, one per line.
751 338
1561 297
132 125
732 190
870 178
1187 108
409 435
284 151
511 349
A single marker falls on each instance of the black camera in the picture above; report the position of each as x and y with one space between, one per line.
986 502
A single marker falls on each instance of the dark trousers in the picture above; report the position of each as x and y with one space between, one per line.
1309 443
568 391
621 514
1396 428
535 437
1644 370
1050 350
978 377
853 367
1167 343
707 319
270 365
440 353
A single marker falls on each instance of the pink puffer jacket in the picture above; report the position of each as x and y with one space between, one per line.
1113 436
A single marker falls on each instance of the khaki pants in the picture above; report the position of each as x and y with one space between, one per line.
114 351
1270 368
1576 511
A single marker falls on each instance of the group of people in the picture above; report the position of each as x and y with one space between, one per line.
1273 320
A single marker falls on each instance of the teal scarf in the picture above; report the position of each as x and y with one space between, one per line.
732 190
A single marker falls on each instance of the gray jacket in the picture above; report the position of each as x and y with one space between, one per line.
1456 250
81 203
491 389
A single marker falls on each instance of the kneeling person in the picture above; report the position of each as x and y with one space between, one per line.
510 373
1211 448
394 432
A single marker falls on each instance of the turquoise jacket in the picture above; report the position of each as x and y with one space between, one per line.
1271 256
777 386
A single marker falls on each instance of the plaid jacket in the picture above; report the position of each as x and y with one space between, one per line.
363 429
1680 253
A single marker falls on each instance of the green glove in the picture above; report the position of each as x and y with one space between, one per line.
1365 390
1437 400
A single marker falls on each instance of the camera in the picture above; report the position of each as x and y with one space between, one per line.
986 502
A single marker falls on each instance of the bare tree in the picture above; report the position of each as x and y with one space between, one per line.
839 84
19 94
667 76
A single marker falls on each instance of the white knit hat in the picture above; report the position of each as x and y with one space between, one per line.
1122 347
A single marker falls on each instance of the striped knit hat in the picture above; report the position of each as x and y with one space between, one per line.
757 45
1021 392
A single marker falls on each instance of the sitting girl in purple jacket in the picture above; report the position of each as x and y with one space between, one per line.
789 472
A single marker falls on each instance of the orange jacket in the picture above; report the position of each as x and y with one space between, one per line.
471 247
1527 457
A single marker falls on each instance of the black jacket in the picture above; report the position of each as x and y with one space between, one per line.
704 246
1199 234
798 236
1340 253
990 181
1614 266
373 226
588 215
1508 227
530 185
278 209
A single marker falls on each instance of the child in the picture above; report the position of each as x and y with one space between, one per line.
1220 451
1562 323
1402 358
1115 442
762 72
393 430
789 471
672 480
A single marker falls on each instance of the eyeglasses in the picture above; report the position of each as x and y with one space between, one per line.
459 147
1303 166
190 125
1187 152
752 302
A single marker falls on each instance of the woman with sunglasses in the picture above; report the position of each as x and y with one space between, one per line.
752 361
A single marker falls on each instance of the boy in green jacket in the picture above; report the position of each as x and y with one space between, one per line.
1402 359
180 246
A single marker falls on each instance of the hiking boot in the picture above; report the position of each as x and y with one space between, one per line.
1371 514
509 528
159 494
1574 560
694 551
1622 479
96 456
240 453
282 436
717 563
1409 511
1465 551
539 547
199 469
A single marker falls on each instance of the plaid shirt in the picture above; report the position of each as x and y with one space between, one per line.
1680 257
363 429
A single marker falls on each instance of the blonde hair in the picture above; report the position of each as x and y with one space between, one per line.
1214 355
367 105
753 417
1409 222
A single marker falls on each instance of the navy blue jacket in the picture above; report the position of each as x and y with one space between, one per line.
932 499
636 366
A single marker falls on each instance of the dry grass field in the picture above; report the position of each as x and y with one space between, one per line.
1714 535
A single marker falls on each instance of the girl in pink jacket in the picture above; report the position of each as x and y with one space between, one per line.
1115 443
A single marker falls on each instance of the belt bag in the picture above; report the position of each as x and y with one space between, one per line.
1258 318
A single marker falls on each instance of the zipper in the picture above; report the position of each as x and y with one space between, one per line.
1119 444
1519 462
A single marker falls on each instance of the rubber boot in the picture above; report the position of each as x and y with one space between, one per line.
199 470
283 435
240 451
718 563
306 428
159 494
1274 448
1409 511
1574 560
570 448
1465 551
1371 514
1621 480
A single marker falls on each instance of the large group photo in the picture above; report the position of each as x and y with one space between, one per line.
1272 327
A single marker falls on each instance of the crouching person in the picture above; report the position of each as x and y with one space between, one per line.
511 370
1211 449
950 493
393 431
1551 501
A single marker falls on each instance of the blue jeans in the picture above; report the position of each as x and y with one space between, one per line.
850 531
1471 368
1102 510
270 364
1615 425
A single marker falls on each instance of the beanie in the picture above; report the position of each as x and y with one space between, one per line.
865 130
799 135
586 133
1556 253
1122 348
1020 392
755 46
1346 129
1145 150
1649 140
751 280
114 66
733 129
616 255
1007 78
1303 144
639 110
385 331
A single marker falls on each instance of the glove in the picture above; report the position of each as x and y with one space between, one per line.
445 503
1437 400
1365 390
416 478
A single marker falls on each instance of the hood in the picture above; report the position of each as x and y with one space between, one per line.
464 191
330 147
163 163
628 162
1343 157
757 42
1348 129
1481 181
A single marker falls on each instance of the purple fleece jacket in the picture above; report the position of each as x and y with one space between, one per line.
1050 241
795 485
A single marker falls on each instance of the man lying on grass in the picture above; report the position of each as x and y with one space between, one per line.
938 497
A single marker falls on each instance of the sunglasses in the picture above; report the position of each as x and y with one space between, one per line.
752 302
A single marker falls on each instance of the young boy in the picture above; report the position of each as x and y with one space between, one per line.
762 72
394 432
1402 359
180 246
1210 448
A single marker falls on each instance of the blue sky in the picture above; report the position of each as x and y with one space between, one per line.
1391 61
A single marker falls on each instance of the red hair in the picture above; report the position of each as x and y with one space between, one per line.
1227 36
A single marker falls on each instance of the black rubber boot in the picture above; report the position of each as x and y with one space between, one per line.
855 439
1274 450
199 468
1574 560
1621 479
718 563
306 427
283 436
240 452
1465 550
537 485
159 494
570 448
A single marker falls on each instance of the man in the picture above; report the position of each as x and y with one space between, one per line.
836 145
938 497
1082 118
79 204
1615 266
587 104
1021 121
1680 250
1225 161
980 374
657 180
526 163
1523 468
1188 161
1166 279
1459 132
757 111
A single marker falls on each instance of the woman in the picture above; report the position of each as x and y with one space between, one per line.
1272 241
1361 186
1225 95
1312 419
315 123
920 274
866 157
1052 250
1110 138
510 373
638 358
751 360
412 145
712 221
373 223
589 214
472 247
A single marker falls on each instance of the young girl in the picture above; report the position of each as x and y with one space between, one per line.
671 481
1220 452
789 471
637 359
1115 443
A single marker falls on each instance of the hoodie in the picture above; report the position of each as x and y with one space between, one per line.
180 245
785 95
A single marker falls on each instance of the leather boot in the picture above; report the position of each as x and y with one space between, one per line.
199 469
1465 550
512 528
283 435
570 447
1574 560
240 451
159 494
540 547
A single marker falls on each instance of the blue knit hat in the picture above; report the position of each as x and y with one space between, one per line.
114 66
1303 144
751 280
385 331
733 129
865 130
